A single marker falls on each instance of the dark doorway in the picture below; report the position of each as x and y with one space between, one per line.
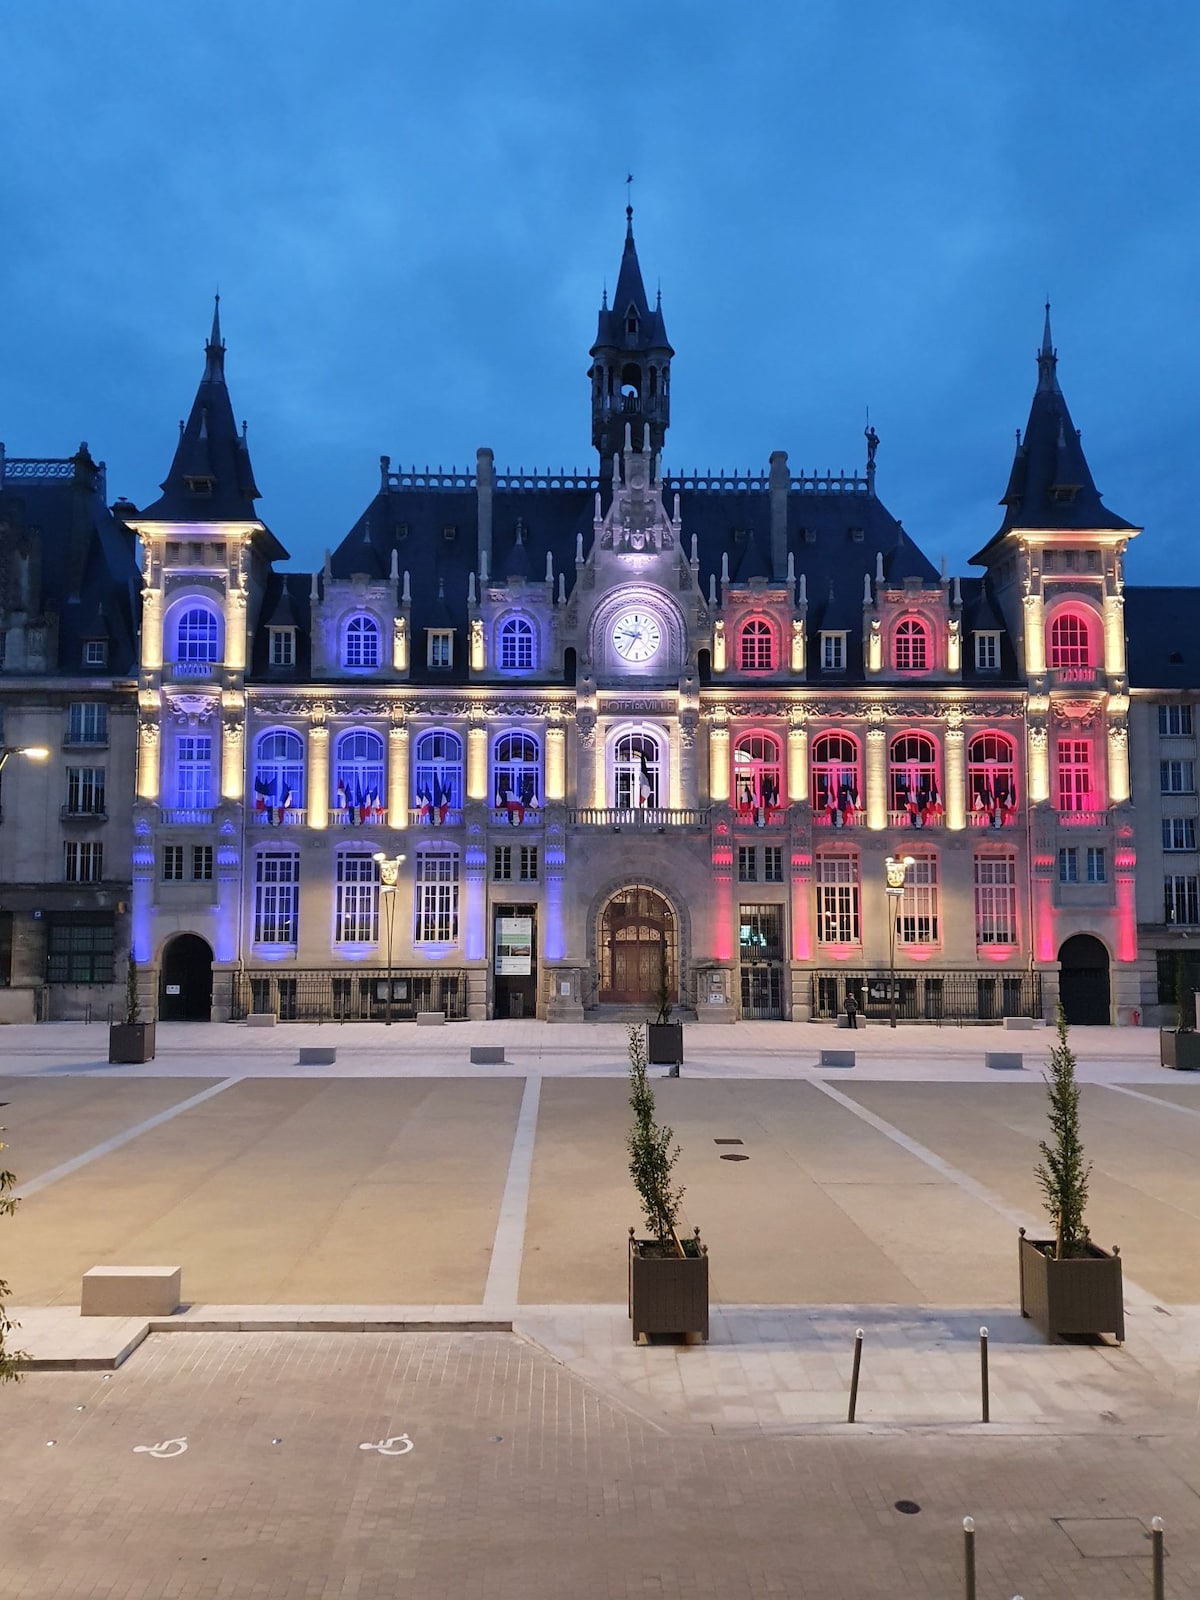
185 992
638 950
514 959
1083 985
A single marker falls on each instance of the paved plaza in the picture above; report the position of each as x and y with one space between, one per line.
404 1190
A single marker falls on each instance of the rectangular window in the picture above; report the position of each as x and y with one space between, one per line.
1183 898
436 899
79 948
95 653
85 791
995 900
987 652
837 900
760 933
917 916
1177 777
83 862
202 863
747 864
356 909
502 863
276 897
833 652
529 863
1075 775
1097 866
87 722
172 863
283 647
773 863
1179 833
193 772
441 647
1174 721
1068 864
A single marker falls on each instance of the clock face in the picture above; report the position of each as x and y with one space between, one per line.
636 636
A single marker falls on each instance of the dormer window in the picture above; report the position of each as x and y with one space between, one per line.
361 647
631 322
1064 493
987 652
200 486
912 646
282 647
441 647
95 653
833 652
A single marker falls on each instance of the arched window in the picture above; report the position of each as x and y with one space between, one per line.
361 644
278 775
915 796
757 653
197 635
757 791
638 772
517 640
438 775
359 788
835 779
912 646
517 774
992 779
1070 641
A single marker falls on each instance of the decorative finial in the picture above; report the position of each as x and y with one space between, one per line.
629 205
470 587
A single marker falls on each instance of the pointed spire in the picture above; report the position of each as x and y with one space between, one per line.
1048 359
214 350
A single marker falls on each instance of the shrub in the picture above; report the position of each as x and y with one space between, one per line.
1062 1172
652 1148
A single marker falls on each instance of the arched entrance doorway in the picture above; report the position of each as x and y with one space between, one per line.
1083 986
638 949
185 990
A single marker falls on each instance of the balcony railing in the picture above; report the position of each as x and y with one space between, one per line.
185 817
761 817
1074 677
1083 819
193 671
929 818
994 818
79 814
517 816
824 818
280 816
435 817
659 817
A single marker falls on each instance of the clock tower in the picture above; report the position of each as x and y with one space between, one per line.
631 366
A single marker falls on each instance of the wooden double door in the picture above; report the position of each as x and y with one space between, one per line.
638 950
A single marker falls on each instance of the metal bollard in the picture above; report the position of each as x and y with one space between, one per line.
968 1558
983 1375
858 1339
1156 1556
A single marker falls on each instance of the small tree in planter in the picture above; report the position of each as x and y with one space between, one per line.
1068 1284
131 1041
1179 1047
668 1277
9 1358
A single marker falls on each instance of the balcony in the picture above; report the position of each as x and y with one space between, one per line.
192 671
185 817
762 817
1074 677
659 818
995 818
1084 819
853 818
286 816
435 817
929 818
517 816
76 814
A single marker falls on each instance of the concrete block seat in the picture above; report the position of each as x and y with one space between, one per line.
318 1055
131 1292
430 1019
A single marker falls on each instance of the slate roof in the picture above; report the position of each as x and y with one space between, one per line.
1162 637
285 605
630 292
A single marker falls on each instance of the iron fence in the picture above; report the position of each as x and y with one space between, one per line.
348 996
929 996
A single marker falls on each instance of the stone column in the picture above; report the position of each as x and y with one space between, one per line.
797 763
1118 764
477 774
235 629
688 786
876 777
556 763
718 762
1035 634
152 630
397 798
148 768
956 792
317 787
232 777
1114 635
1039 763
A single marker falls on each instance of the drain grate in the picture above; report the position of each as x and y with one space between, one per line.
908 1507
729 1141
732 1155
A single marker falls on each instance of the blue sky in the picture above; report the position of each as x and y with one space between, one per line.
410 212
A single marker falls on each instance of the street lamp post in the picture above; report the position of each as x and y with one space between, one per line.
896 869
389 875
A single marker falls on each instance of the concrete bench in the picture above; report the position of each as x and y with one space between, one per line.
430 1019
1020 1024
843 1021
261 1019
318 1055
487 1055
131 1292
836 1058
1004 1060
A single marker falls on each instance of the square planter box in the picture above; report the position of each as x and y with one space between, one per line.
131 1042
1179 1050
1081 1295
664 1044
668 1294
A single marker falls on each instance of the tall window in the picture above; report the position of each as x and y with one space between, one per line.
1179 833
83 862
361 644
197 635
757 647
912 646
517 774
1177 777
279 771
193 772
516 644
436 920
992 778
995 900
757 768
1075 775
79 947
1175 721
987 652
438 774
276 897
359 794
914 778
835 786
87 722
1070 641
837 900
636 774
356 904
833 652
85 791
917 916
1183 898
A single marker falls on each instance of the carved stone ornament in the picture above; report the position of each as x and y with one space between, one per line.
1076 713
191 708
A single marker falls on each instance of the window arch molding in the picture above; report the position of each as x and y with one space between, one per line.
278 770
516 772
638 767
672 653
437 774
361 640
516 643
992 778
359 776
913 778
912 643
835 765
757 774
194 631
757 647
1073 639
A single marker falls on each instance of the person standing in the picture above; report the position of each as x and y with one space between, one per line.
851 1011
